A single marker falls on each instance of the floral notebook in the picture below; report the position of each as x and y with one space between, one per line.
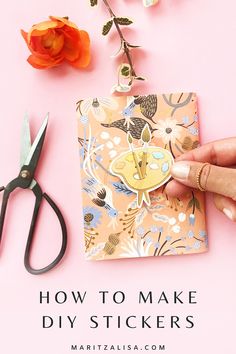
127 146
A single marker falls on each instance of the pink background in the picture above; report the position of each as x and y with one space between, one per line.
187 45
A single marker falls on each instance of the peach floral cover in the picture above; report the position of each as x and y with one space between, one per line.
114 226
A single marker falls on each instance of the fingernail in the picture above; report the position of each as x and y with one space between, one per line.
180 170
228 213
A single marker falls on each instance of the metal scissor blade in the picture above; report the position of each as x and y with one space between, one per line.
25 140
35 151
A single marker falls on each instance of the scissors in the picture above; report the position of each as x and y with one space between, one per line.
30 154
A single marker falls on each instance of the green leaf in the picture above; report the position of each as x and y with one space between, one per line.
107 27
125 71
140 78
93 2
130 82
123 21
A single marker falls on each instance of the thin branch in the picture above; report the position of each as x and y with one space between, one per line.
124 43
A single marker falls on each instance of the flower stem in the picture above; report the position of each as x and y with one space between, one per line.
124 42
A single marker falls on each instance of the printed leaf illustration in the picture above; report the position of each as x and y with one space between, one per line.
124 21
187 143
107 27
194 203
195 144
95 250
149 106
140 217
190 204
197 204
121 188
93 2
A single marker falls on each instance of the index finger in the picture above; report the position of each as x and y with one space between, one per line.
219 152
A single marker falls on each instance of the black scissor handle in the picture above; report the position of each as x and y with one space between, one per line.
7 192
39 196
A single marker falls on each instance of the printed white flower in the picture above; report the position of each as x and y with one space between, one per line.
176 229
97 106
167 130
117 140
135 248
105 135
112 154
182 217
172 221
197 245
110 143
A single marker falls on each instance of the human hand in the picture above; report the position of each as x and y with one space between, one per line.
215 163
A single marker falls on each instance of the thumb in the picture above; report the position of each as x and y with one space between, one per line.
220 180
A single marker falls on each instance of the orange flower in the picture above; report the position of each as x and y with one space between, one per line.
56 40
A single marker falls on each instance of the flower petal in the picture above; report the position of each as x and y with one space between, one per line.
35 46
84 54
24 35
71 49
53 42
39 63
57 45
63 20
50 42
42 27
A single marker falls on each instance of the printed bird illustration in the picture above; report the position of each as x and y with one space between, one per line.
134 129
148 105
127 113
